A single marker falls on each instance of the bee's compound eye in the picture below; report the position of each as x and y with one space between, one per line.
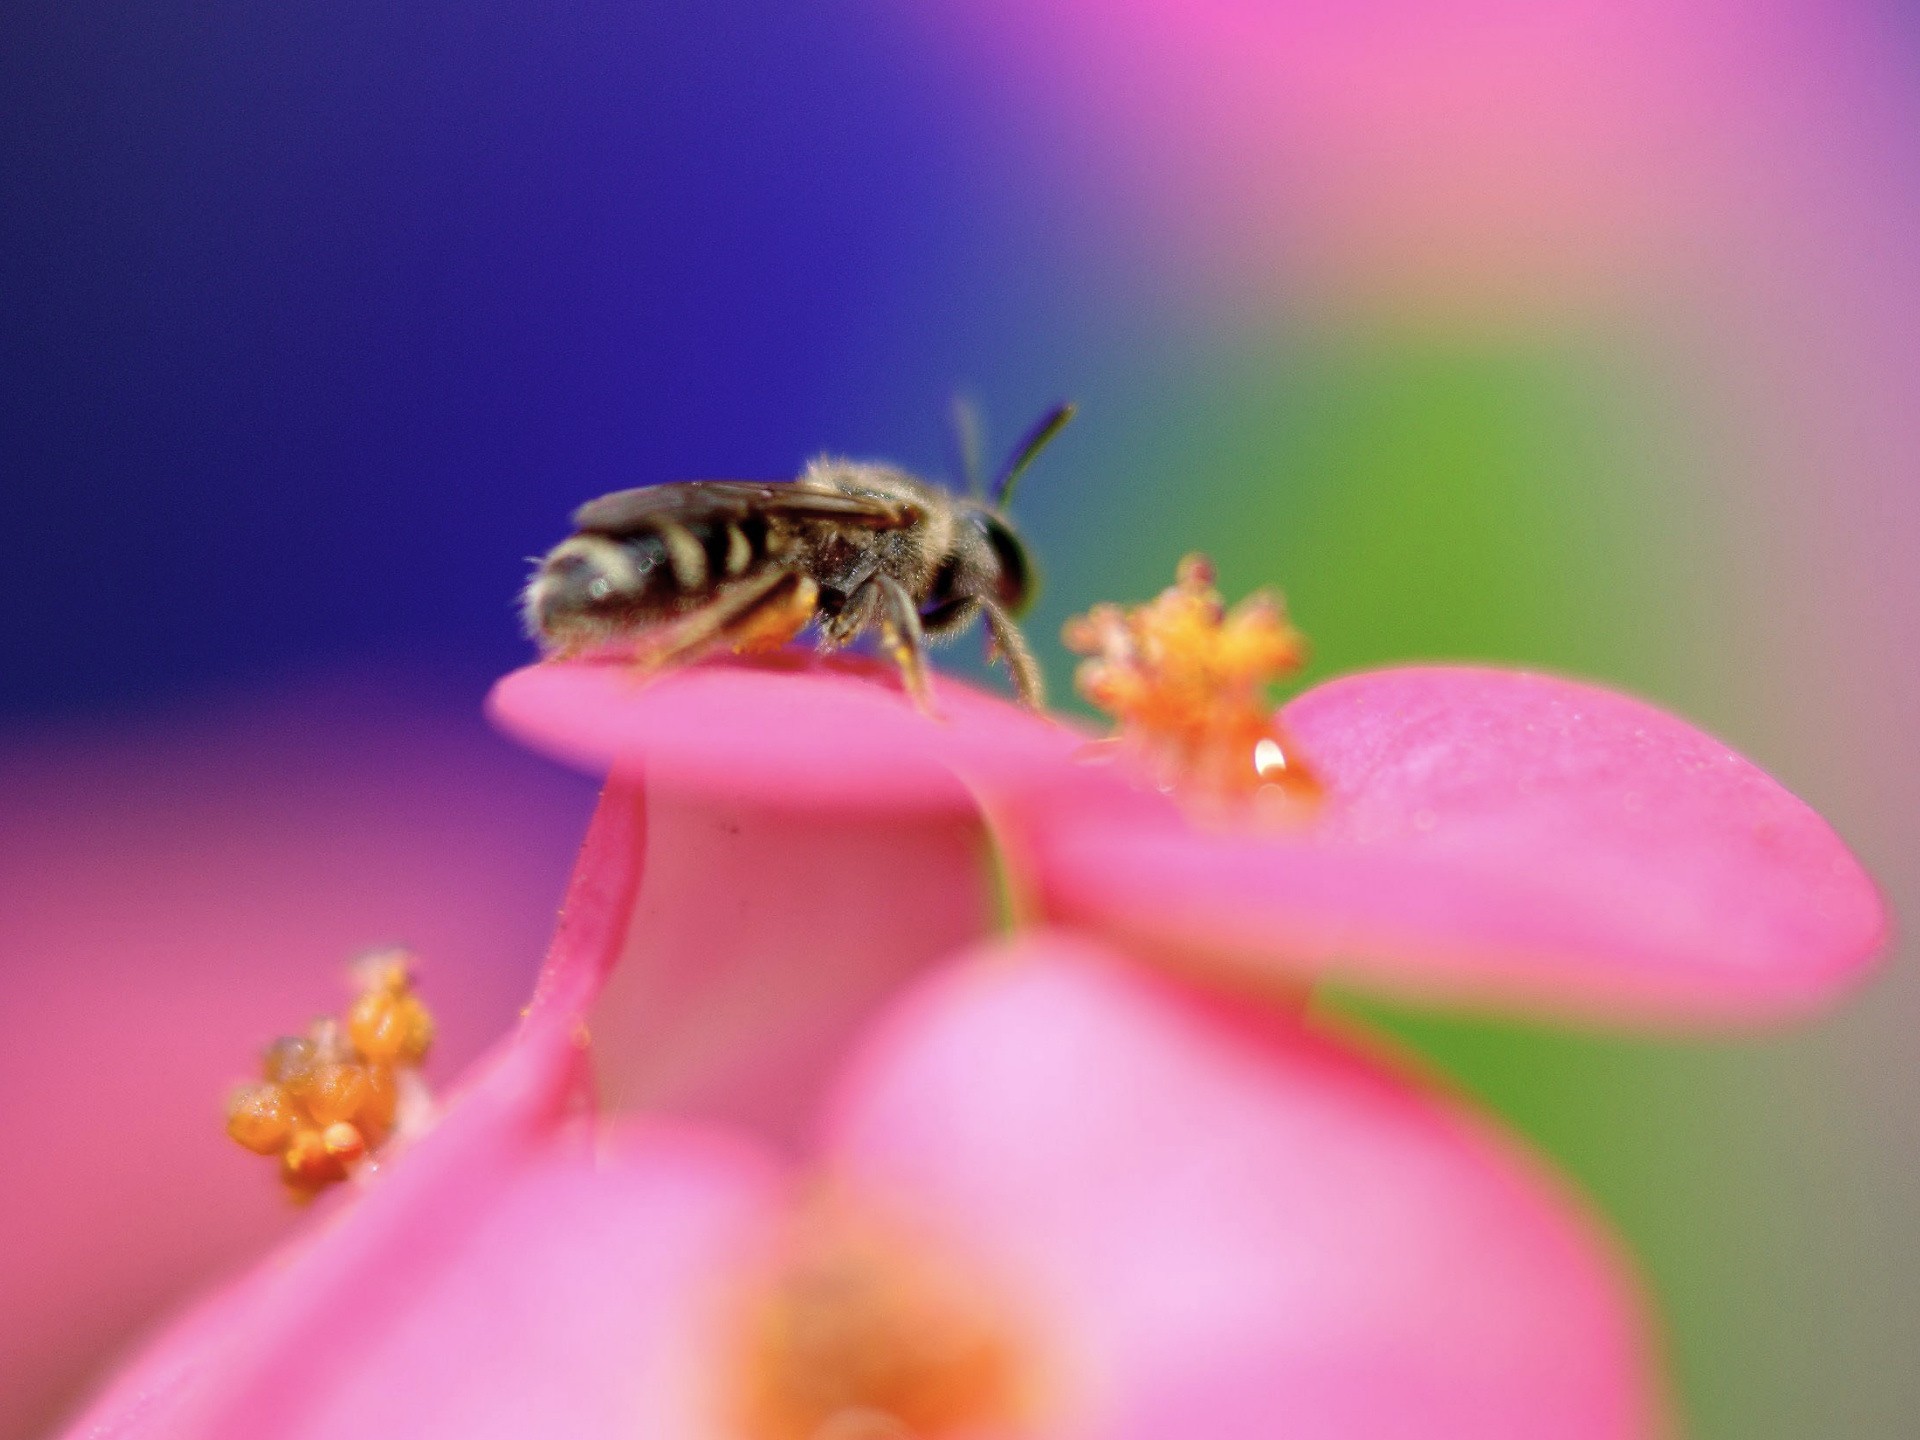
1015 585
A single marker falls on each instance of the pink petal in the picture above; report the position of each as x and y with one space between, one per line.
495 1278
264 1349
591 1301
177 893
583 1296
789 729
762 939
810 846
1503 837
1216 1227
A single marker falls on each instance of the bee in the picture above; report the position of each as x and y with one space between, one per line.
681 570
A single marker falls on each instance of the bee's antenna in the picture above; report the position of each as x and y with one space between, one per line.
964 417
1031 444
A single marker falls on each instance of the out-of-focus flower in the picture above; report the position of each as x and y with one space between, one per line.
1049 1194
1048 1189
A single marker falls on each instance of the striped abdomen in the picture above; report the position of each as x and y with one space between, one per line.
597 585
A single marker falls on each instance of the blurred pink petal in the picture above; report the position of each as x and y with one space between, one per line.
1489 836
572 1295
790 729
245 1362
1501 837
762 940
1231 1227
587 1300
179 892
745 963
1203 1223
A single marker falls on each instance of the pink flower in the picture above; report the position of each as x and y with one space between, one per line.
1044 1188
1485 836
1503 837
1047 1193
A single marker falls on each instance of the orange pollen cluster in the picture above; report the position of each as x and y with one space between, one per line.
862 1335
331 1097
1185 679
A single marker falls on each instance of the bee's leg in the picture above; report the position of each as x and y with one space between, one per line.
1011 646
948 620
884 601
757 613
857 612
860 612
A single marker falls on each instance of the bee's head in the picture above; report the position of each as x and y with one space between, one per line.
577 586
1012 571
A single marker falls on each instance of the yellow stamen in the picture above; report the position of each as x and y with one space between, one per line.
261 1117
861 1333
330 1097
391 1025
307 1167
1185 679
343 1142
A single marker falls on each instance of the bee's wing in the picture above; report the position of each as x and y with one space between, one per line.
691 502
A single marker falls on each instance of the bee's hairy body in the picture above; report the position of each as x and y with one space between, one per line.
679 570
